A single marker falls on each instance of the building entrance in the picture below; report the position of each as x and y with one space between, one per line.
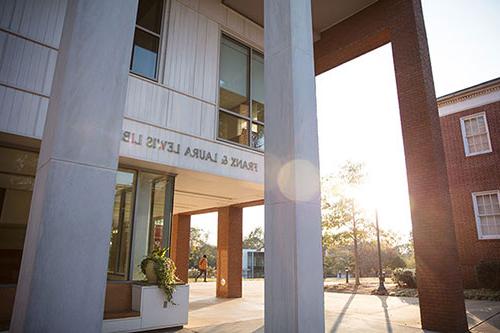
121 230
17 177
142 215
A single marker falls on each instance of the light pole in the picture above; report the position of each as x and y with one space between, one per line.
355 238
381 288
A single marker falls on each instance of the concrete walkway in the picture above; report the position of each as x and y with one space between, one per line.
343 312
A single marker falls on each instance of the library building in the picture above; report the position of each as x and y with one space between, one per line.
120 119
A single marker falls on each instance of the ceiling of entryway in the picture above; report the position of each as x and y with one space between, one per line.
326 13
197 191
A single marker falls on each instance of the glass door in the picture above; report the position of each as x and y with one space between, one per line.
121 230
162 194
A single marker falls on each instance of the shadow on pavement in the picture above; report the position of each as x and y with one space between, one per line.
383 300
343 311
206 302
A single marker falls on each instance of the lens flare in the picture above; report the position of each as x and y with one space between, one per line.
299 180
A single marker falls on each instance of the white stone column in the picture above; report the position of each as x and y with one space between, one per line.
63 272
293 263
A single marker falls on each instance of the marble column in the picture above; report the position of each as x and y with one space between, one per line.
229 252
293 263
63 273
179 249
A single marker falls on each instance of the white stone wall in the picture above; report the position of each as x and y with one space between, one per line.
30 32
183 101
182 105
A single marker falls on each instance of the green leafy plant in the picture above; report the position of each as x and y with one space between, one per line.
164 268
405 277
488 274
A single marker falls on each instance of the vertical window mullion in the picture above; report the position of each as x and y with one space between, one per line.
250 106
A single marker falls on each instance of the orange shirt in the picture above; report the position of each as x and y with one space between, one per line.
203 264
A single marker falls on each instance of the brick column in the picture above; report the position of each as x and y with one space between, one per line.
401 22
229 252
179 248
438 270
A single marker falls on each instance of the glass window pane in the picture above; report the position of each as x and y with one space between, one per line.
467 127
149 14
121 230
258 136
481 124
157 212
233 128
257 87
144 54
233 76
496 204
480 204
473 126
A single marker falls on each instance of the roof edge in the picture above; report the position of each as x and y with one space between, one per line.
473 91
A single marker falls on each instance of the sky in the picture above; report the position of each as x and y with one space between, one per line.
358 108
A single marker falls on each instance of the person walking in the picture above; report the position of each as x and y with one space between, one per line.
202 266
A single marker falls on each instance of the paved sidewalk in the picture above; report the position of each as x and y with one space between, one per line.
343 312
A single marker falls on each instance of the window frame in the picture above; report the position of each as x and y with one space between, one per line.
163 30
137 171
464 134
248 118
478 217
128 272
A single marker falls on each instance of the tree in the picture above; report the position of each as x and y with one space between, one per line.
254 240
342 220
349 229
407 252
199 247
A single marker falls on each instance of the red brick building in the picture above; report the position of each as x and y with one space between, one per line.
470 122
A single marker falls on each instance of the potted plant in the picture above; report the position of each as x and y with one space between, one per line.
160 269
158 309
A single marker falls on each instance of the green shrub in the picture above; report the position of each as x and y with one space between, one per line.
405 277
488 274
164 268
482 294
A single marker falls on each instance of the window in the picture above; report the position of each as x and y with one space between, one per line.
475 134
145 50
487 211
162 196
241 94
152 217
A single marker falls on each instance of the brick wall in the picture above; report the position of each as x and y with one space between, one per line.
229 252
400 22
181 232
471 174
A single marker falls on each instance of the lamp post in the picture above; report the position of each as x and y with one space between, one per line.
381 288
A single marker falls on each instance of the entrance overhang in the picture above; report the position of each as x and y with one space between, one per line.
203 192
325 13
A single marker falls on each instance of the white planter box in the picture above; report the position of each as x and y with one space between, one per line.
155 313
